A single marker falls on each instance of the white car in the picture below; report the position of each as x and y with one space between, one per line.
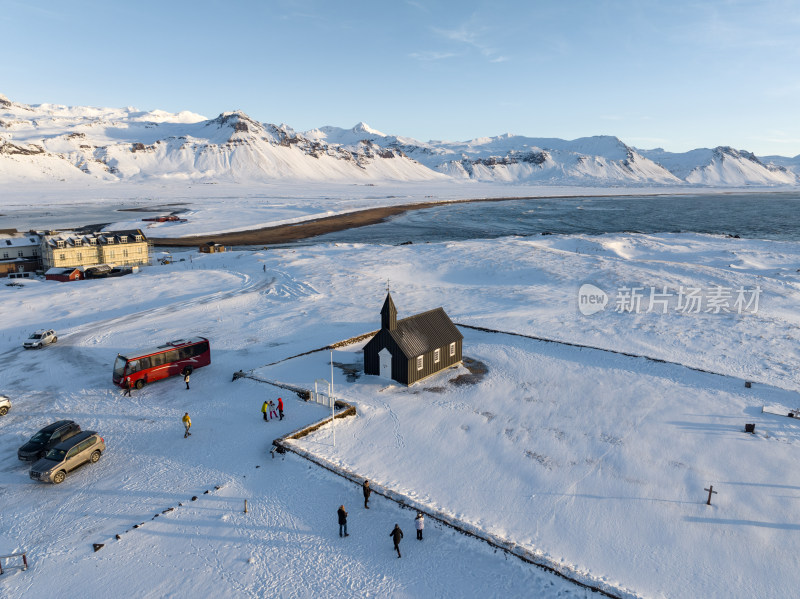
40 338
5 405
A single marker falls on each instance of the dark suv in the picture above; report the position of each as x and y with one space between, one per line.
46 439
85 447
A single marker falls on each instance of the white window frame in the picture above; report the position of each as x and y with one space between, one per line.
452 349
437 355
420 362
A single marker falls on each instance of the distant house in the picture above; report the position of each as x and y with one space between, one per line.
212 248
63 274
19 252
119 248
413 348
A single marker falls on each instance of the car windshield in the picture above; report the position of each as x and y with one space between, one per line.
57 455
34 336
119 366
40 437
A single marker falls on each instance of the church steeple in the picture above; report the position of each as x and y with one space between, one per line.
388 314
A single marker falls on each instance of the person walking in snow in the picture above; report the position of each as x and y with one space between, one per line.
272 412
367 490
187 422
186 378
396 535
280 407
264 410
126 384
419 524
342 521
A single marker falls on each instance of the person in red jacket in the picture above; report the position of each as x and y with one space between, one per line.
280 408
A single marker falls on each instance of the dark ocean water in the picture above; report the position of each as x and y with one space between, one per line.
754 215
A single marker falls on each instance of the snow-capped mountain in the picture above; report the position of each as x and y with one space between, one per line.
47 141
724 166
58 142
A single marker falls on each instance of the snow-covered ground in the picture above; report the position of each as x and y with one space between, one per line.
591 458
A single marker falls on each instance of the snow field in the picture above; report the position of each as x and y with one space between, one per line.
595 461
623 512
287 545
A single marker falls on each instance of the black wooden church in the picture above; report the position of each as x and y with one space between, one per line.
413 348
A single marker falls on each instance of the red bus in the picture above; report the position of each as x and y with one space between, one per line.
174 357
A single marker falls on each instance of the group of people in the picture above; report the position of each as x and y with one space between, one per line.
396 534
275 411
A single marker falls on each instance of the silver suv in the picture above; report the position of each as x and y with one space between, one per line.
40 338
5 405
86 446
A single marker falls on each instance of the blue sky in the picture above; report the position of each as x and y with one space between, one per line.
674 74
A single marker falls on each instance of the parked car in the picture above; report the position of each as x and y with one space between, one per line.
40 338
46 439
85 447
5 405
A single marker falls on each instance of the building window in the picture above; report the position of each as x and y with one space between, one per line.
436 355
92 241
419 363
452 349
138 250
111 254
19 253
123 239
5 254
80 255
62 256
125 253
138 238
60 243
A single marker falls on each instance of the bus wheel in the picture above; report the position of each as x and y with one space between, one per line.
140 383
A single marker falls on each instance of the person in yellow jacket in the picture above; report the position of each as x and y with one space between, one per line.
187 422
264 409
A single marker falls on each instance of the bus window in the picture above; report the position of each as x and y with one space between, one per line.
133 366
185 353
200 348
157 360
144 363
172 355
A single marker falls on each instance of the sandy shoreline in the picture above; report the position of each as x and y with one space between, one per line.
330 224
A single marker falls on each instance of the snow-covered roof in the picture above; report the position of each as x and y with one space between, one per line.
21 240
100 237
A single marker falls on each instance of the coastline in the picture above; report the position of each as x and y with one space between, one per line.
288 233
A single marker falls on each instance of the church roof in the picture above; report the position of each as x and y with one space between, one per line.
422 333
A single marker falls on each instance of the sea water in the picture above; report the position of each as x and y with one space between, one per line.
753 215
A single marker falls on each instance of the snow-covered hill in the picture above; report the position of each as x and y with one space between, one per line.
70 143
54 142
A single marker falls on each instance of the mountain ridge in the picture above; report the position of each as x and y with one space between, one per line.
55 142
